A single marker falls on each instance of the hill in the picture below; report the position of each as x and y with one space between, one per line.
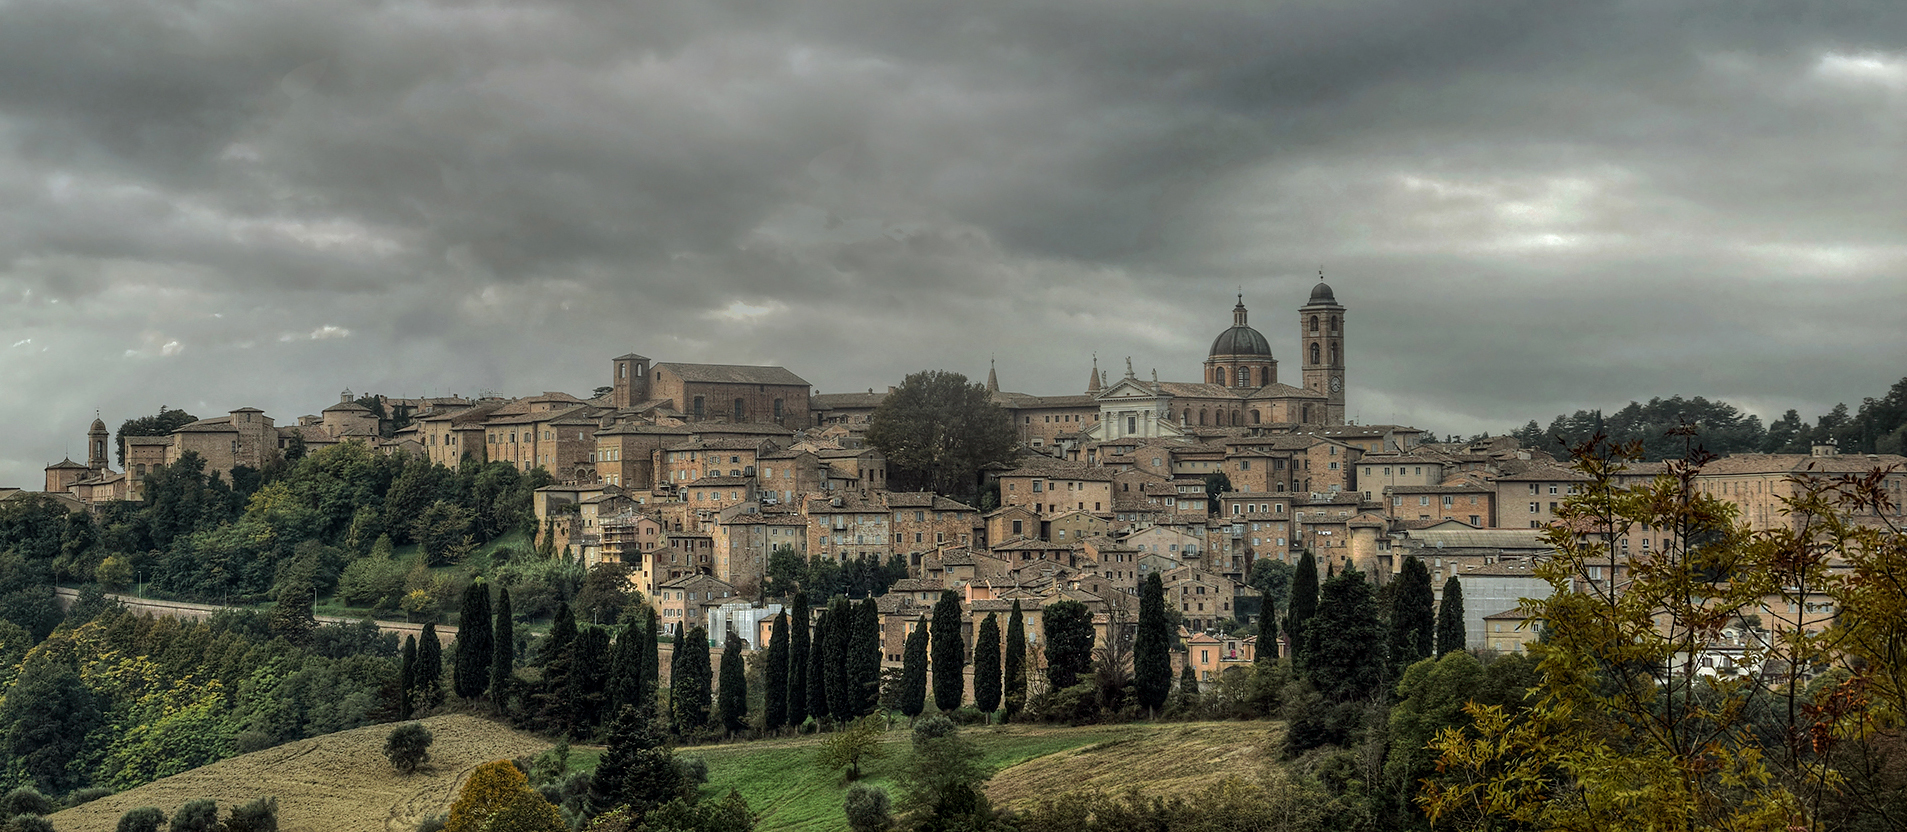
334 783
1030 762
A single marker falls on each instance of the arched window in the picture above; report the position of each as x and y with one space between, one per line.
1314 353
1334 323
1244 377
1218 375
1307 414
1254 417
1314 323
1334 352
1264 376
1202 416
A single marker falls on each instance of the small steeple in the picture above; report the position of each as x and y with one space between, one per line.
993 378
1238 312
1092 381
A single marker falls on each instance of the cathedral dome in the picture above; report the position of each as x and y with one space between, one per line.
1240 339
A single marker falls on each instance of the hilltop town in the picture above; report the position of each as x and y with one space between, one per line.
694 477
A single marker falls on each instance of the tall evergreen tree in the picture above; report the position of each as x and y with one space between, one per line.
651 662
949 653
407 678
818 669
562 631
625 668
475 649
986 665
841 705
1413 620
1188 679
734 686
1344 652
430 668
702 692
678 678
798 624
1303 604
775 677
587 685
1450 635
637 769
913 698
1069 643
503 657
1152 647
1013 665
1266 649
864 657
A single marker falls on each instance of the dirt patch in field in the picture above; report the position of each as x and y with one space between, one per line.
1169 760
334 783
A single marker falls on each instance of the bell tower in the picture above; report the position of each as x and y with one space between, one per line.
1321 341
96 447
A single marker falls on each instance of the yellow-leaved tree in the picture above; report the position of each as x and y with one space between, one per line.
498 798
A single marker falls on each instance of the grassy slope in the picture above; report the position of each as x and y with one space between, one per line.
788 791
334 783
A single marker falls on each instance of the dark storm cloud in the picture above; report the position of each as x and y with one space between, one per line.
1529 207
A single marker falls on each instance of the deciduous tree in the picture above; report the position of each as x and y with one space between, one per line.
937 431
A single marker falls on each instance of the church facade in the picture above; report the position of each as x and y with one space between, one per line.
1239 386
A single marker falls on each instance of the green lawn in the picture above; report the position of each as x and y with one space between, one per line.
788 792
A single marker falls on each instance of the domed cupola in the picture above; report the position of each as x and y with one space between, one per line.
1240 356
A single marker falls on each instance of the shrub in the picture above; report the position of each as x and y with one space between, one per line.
692 769
142 819
26 800
87 795
968 715
434 823
550 765
200 815
260 815
868 809
29 823
408 746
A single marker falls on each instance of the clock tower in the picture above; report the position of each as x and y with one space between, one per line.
1321 331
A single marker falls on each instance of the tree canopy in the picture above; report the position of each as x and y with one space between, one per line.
938 431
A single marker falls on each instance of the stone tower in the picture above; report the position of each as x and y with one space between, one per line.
96 440
1321 330
629 385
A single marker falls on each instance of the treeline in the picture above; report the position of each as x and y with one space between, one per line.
1878 426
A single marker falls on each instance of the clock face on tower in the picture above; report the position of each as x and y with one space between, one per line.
1337 384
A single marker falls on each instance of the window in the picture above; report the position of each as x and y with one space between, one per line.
1314 323
699 407
1017 527
1448 501
1535 507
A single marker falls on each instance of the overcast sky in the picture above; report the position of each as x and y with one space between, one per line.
1527 207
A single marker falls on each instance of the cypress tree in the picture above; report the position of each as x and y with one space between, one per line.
1266 647
775 677
430 668
798 661
1152 647
562 632
949 653
864 657
475 650
588 682
1013 665
818 670
702 673
679 681
1069 643
1303 605
1450 635
503 658
407 677
1413 623
1188 678
734 686
625 669
1344 651
651 663
914 672
986 665
840 630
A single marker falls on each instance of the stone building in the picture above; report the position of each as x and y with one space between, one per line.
711 392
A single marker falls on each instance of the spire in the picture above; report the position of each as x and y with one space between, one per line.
993 379
1238 312
1092 381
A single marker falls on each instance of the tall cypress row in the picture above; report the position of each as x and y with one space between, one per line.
1450 635
1303 605
798 661
949 653
407 677
1152 647
475 650
503 657
864 658
1013 665
775 677
818 670
986 665
913 698
1413 622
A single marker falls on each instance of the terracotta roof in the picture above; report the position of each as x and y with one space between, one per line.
1800 464
830 401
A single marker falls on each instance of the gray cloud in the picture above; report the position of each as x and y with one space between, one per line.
1529 207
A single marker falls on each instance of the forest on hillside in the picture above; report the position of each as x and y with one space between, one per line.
1878 426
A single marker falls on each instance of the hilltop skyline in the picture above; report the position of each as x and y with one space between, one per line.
1526 211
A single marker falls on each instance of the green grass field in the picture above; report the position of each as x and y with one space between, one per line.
789 792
